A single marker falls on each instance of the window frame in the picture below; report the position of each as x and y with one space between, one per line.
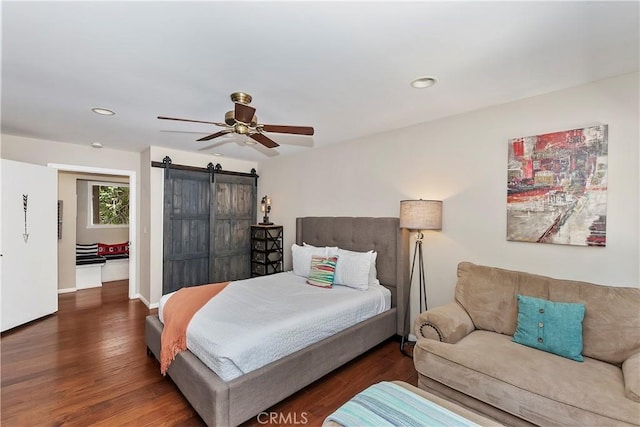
90 185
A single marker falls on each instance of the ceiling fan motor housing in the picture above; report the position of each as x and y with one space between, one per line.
241 98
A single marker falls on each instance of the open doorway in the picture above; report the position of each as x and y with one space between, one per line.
67 257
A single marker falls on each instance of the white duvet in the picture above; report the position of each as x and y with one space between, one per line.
254 322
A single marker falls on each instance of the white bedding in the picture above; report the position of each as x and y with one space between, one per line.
254 322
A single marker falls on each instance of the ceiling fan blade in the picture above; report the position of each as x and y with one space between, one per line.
244 113
298 130
264 140
214 135
189 120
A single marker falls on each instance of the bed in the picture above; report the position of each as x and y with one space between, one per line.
221 403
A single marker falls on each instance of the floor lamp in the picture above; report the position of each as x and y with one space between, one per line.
418 215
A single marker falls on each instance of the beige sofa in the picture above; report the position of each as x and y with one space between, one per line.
465 352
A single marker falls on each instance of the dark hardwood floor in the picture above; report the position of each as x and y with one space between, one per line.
87 365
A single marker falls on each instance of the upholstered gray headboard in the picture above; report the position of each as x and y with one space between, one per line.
383 235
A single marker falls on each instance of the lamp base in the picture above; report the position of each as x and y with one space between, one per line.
417 255
265 221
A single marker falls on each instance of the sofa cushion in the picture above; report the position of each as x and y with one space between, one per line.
86 249
631 372
90 259
488 294
537 386
611 316
550 326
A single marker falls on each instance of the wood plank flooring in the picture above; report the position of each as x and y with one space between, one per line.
87 365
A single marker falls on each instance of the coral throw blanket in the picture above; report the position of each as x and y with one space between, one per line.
177 313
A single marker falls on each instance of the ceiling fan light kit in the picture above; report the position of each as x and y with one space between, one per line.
243 121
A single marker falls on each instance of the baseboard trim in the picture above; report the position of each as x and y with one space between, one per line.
66 290
147 303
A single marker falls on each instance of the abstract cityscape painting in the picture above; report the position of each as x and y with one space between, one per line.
557 187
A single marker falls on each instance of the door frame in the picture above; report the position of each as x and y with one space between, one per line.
133 211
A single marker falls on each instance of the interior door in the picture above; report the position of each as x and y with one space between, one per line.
186 229
29 266
233 211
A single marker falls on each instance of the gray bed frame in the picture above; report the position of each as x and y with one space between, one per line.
230 403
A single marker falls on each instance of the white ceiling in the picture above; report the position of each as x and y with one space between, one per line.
342 67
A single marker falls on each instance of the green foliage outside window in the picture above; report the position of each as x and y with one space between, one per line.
110 205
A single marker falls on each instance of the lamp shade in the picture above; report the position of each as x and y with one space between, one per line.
421 214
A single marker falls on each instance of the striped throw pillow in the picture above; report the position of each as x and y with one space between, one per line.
86 250
323 270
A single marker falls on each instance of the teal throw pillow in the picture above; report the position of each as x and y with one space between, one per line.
323 270
555 327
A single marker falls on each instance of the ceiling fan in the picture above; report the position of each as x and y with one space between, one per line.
243 120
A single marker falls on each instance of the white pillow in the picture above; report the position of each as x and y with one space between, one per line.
301 256
373 272
331 250
354 268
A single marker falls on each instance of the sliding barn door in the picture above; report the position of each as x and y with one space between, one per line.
186 240
206 228
232 215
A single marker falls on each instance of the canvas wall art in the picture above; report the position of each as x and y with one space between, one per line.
557 187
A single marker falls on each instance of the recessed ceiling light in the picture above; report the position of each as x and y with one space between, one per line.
96 145
217 154
424 82
103 111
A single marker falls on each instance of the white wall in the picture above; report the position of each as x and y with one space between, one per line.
145 227
66 245
42 152
462 160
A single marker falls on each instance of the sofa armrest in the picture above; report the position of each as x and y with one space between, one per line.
448 323
631 374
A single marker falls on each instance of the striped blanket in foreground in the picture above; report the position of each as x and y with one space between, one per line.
388 404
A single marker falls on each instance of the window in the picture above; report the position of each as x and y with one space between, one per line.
109 204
